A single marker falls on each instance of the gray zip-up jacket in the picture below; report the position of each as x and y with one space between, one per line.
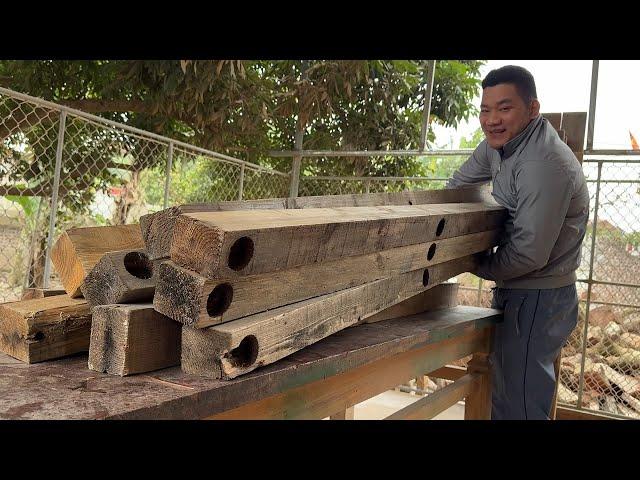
540 182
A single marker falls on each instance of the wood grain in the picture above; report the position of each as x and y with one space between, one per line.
44 328
228 244
194 300
128 339
77 251
240 346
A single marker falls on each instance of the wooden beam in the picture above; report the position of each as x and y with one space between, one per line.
240 346
444 295
44 328
478 403
334 393
347 414
248 242
121 277
128 339
574 124
555 119
157 228
449 372
30 293
192 299
77 251
415 197
437 402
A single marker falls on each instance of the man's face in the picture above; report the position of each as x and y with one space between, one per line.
504 114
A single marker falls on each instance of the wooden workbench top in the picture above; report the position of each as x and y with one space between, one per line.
67 389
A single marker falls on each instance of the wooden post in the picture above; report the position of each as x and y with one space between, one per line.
346 414
478 403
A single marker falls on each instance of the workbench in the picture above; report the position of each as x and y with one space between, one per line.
323 380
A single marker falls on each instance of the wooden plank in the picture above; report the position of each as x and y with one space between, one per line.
157 228
574 124
44 328
444 295
568 413
228 244
415 197
347 414
194 300
449 372
437 402
121 277
555 119
30 293
67 389
128 339
237 347
78 250
321 398
478 403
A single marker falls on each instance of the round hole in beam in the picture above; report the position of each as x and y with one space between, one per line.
38 337
440 227
219 299
138 265
245 354
410 202
425 277
241 253
431 252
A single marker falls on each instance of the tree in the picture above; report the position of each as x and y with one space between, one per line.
241 108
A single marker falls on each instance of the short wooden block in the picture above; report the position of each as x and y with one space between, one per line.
128 339
44 328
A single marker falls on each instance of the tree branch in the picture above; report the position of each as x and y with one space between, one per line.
100 106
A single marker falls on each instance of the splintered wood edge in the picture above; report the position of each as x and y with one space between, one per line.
65 260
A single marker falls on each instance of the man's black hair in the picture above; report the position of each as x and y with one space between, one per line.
518 76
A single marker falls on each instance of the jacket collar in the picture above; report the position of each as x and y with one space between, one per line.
510 147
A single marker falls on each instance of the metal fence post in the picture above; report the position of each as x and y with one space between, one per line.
241 186
295 168
54 197
480 291
592 103
431 70
589 284
167 180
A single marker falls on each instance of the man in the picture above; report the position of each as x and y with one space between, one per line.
540 182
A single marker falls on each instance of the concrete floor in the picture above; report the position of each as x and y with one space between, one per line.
383 405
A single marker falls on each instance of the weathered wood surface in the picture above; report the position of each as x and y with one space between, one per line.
318 399
238 347
31 293
67 389
44 328
444 295
78 250
194 300
128 339
157 228
435 403
121 277
247 242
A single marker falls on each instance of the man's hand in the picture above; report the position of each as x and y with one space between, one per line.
480 258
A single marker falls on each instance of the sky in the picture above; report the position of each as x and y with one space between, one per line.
564 86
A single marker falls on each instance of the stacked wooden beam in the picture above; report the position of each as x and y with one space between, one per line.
225 288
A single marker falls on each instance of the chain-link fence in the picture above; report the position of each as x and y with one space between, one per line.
601 361
62 168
